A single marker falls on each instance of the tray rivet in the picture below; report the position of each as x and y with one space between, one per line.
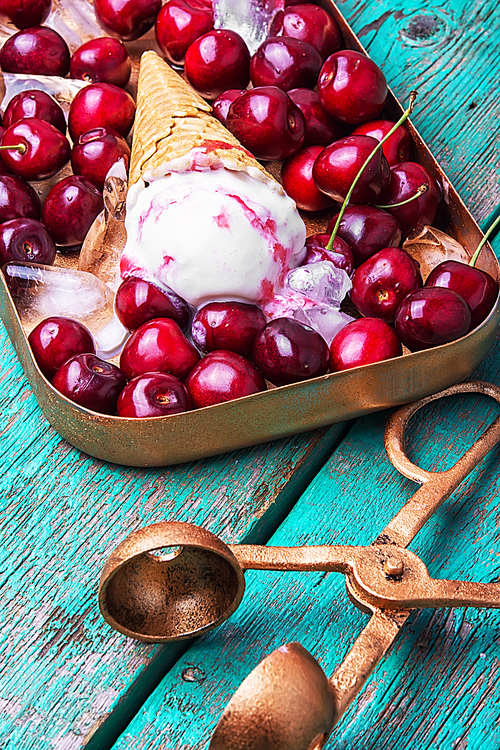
393 567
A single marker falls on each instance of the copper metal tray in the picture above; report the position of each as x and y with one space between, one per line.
281 411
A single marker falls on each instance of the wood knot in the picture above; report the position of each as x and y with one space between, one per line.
425 29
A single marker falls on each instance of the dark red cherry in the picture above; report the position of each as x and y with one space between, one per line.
101 105
477 287
287 351
55 340
95 153
217 61
310 24
286 63
4 169
339 163
227 325
158 346
297 179
35 149
363 342
321 129
397 147
223 376
130 19
34 103
70 208
432 316
17 198
155 394
367 229
380 284
26 240
406 179
267 123
220 107
138 301
26 13
178 24
340 255
351 87
104 59
36 51
90 382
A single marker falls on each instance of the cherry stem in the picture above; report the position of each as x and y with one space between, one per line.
490 229
20 147
404 116
422 189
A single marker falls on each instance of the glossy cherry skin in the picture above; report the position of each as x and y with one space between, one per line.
297 179
406 178
432 316
17 198
4 169
478 288
220 107
321 129
46 149
286 63
217 61
158 346
34 103
101 105
90 382
267 123
351 87
95 153
310 24
178 24
104 59
380 284
367 229
37 50
154 394
55 340
341 255
27 13
227 325
26 240
130 19
70 208
138 301
397 147
363 342
287 351
339 163
223 376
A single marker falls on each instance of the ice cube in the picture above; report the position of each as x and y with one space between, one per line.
321 282
109 339
251 19
325 319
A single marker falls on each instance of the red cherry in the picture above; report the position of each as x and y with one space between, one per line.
217 61
432 316
341 254
4 169
35 149
138 301
220 107
17 198
286 63
104 59
27 13
70 209
179 24
95 153
227 325
154 394
321 129
90 382
158 346
26 240
55 340
397 147
130 19
223 376
101 105
363 342
297 179
367 229
35 51
34 103
267 122
310 24
287 351
406 179
351 87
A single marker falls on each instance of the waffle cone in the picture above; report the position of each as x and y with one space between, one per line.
172 120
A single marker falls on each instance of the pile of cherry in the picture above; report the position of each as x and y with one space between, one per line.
313 104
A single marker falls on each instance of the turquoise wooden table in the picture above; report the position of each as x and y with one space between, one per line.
68 681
